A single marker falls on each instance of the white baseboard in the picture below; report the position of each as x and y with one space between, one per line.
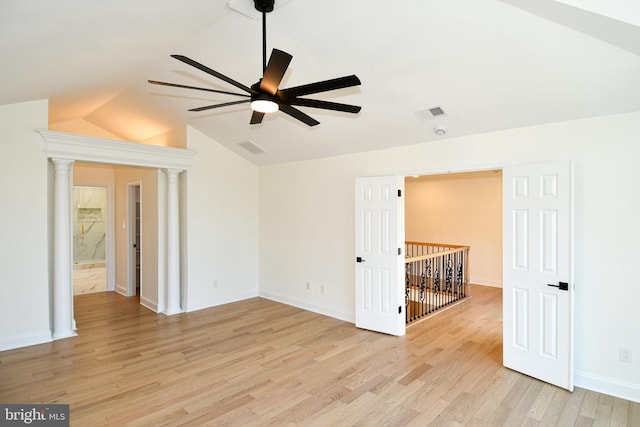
486 282
221 301
11 343
612 387
347 317
150 304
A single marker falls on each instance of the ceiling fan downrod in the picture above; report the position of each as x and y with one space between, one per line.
264 6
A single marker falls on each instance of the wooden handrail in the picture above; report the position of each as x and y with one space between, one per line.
437 254
439 245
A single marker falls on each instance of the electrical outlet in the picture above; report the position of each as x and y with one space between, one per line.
322 289
626 355
308 286
215 283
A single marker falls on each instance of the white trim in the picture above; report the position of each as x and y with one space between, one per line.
234 298
25 341
148 303
610 386
67 146
346 317
457 169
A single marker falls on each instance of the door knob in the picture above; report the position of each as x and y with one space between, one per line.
564 286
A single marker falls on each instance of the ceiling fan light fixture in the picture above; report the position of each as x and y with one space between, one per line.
264 106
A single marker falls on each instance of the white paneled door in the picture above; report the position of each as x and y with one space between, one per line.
380 254
538 271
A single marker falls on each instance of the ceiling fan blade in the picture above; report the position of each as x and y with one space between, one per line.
333 84
297 114
256 118
277 66
316 103
226 104
155 82
214 73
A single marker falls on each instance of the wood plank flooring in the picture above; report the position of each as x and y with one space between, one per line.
260 363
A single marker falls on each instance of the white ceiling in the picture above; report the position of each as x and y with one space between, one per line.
491 64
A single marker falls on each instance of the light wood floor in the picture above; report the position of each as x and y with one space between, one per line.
262 363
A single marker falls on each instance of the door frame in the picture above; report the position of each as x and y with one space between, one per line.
405 175
131 237
485 167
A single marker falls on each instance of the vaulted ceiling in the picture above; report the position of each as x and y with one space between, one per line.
489 64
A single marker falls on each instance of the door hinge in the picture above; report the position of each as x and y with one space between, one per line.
399 251
399 193
399 309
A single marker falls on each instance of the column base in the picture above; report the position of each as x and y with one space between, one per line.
173 312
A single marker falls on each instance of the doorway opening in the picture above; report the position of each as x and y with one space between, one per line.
440 208
90 221
135 242
453 210
461 209
536 243
124 219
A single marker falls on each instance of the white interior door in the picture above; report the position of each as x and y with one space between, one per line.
538 271
379 254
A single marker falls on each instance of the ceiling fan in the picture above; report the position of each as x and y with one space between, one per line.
265 95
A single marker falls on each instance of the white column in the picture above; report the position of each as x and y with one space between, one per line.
62 279
173 243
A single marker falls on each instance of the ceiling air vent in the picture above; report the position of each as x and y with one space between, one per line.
431 113
252 147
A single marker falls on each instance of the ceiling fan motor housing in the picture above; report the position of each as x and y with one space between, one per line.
265 6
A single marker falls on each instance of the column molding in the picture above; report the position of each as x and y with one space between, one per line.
62 253
173 243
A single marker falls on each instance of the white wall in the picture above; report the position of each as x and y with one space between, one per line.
459 209
24 285
222 225
307 227
307 235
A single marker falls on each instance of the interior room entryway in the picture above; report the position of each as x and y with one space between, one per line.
90 219
537 236
162 167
